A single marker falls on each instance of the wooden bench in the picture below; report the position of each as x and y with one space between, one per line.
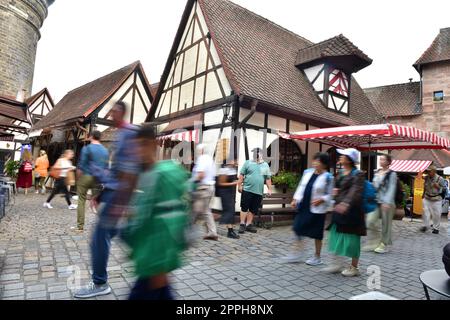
282 211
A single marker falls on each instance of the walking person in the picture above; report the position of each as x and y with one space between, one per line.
348 223
385 181
155 232
432 200
62 166
25 174
204 178
312 199
254 173
93 161
227 182
41 171
115 198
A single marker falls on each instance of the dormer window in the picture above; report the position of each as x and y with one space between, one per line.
332 85
328 65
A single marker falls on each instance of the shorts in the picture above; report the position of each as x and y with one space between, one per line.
250 202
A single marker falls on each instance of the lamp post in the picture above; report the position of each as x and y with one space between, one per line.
227 109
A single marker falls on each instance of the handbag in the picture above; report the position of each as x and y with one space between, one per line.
54 172
70 179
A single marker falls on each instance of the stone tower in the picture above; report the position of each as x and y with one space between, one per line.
20 21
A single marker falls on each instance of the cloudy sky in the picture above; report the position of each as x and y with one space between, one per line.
85 39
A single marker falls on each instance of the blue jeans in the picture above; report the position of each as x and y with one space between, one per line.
105 230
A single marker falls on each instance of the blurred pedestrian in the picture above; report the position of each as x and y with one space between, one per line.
62 166
312 199
114 200
93 161
434 188
227 182
385 181
156 230
254 173
204 179
25 174
41 171
348 221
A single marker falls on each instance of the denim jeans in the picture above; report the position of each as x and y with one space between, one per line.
105 230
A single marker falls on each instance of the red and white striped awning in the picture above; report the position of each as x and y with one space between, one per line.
410 165
373 137
189 136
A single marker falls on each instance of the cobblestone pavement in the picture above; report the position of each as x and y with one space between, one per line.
38 253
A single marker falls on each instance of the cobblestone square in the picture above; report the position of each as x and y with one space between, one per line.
39 253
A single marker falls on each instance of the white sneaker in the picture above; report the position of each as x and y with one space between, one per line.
291 258
37 192
48 205
336 268
350 272
74 197
73 207
382 248
314 261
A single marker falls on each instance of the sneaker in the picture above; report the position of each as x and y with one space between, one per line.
350 272
73 207
48 205
242 228
232 235
75 198
435 231
37 192
382 248
314 261
423 229
93 290
369 247
292 258
251 228
213 238
335 268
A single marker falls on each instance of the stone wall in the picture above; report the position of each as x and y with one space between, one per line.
20 21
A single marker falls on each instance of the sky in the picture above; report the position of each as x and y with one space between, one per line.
86 39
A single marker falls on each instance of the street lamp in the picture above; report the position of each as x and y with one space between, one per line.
226 108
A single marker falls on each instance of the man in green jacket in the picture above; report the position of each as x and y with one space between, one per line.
156 230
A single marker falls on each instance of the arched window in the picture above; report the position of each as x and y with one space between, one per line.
290 156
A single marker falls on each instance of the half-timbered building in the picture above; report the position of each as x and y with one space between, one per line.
88 107
230 69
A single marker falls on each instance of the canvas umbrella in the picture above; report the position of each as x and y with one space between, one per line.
373 137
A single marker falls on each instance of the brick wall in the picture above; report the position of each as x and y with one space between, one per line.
436 115
20 21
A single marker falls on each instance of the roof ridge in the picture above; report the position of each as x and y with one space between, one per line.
392 85
270 21
134 64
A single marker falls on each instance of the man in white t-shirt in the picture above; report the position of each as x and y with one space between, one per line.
204 178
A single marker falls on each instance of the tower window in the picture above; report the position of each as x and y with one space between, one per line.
438 96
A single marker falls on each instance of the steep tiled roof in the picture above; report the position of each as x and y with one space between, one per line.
440 158
336 47
29 101
396 100
11 110
81 102
259 59
154 88
439 50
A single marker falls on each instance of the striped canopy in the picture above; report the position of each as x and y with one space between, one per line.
410 165
189 136
373 137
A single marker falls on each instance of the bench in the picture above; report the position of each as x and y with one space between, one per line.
283 209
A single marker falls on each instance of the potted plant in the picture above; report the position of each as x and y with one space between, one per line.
286 180
400 211
12 169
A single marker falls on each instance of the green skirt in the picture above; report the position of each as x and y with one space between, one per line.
344 244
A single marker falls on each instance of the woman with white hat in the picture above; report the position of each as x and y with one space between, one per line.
348 221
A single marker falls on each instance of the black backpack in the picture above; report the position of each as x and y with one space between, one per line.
399 192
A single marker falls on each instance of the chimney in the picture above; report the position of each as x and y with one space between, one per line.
410 80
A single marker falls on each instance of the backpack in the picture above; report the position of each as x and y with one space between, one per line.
369 195
27 167
399 192
101 175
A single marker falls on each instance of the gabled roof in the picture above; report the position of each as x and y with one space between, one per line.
396 100
339 50
11 110
83 101
440 158
154 88
259 59
29 101
439 50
